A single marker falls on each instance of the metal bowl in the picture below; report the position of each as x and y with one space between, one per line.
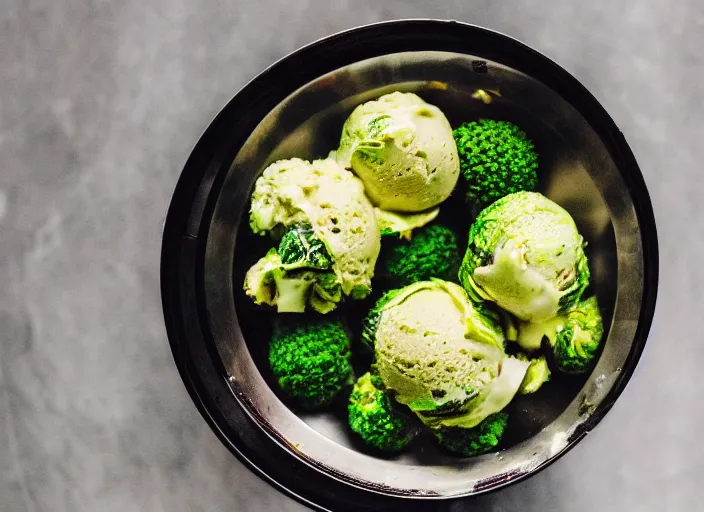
296 108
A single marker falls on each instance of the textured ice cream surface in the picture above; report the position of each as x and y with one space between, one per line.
491 398
332 201
403 150
438 354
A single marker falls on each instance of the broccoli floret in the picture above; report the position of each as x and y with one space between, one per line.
496 159
373 418
474 441
432 252
267 282
289 287
301 248
371 321
259 281
292 290
310 358
326 293
578 337
537 374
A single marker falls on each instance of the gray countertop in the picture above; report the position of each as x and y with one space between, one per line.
101 102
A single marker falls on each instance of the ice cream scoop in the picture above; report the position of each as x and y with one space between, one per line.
526 254
403 150
442 356
332 201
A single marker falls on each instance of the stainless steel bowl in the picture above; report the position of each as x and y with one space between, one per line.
296 108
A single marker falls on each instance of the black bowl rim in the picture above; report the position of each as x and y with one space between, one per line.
192 202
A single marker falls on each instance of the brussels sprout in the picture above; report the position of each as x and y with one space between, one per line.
526 255
572 338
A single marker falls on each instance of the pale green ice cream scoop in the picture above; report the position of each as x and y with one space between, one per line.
526 255
441 355
402 149
332 200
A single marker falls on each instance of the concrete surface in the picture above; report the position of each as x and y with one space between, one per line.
101 102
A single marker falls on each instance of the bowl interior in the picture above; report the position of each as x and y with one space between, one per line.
576 171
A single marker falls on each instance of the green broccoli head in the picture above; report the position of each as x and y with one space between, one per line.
301 248
432 252
310 358
373 418
525 254
473 441
371 321
577 338
496 159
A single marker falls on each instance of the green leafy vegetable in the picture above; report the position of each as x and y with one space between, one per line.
474 441
526 255
496 159
310 358
577 340
431 252
301 248
373 417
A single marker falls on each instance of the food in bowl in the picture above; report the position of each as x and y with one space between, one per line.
526 255
433 251
442 356
328 236
496 158
402 149
453 334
